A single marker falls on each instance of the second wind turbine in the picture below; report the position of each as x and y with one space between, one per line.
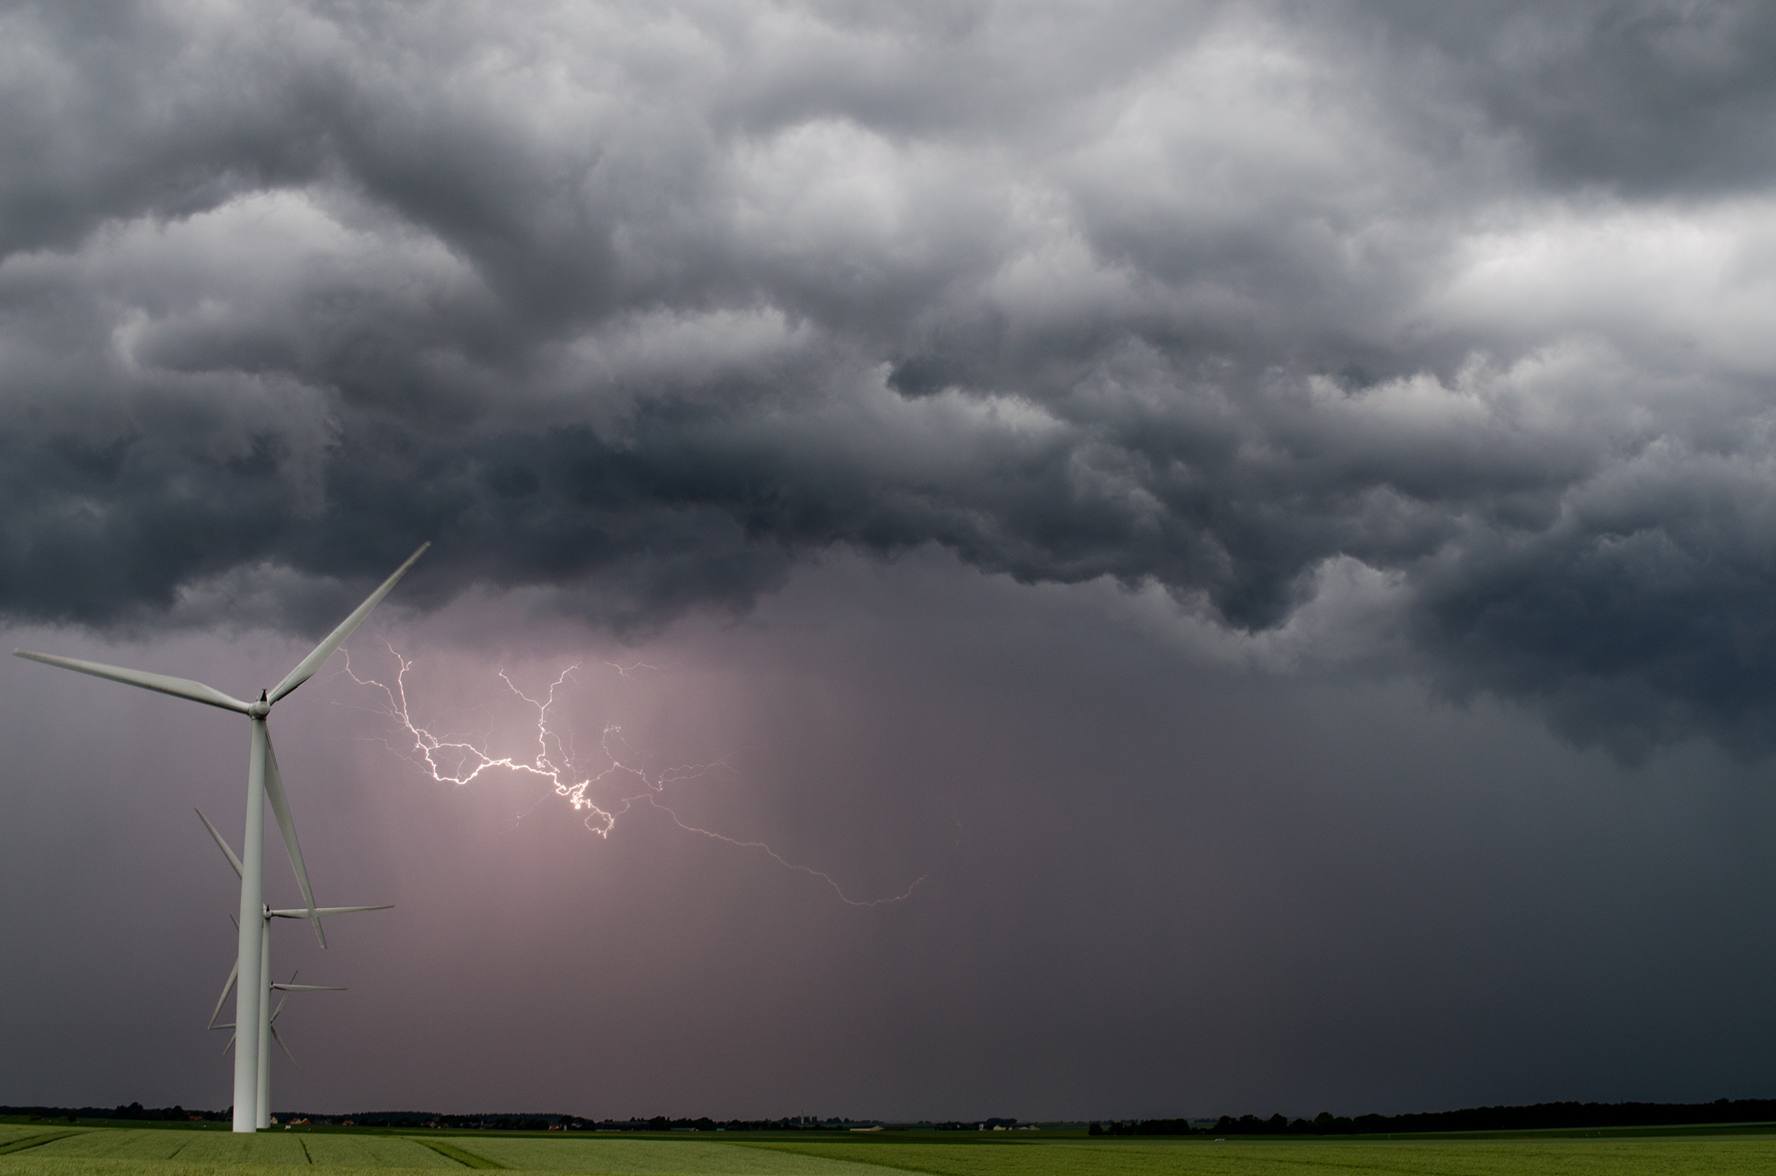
263 782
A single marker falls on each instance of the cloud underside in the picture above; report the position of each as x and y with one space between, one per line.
646 307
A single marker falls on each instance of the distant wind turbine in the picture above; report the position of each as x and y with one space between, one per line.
268 1027
262 781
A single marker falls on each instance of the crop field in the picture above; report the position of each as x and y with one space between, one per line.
68 1150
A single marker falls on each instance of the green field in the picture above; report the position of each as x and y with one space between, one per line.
70 1150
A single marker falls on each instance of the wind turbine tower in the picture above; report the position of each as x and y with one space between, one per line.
263 782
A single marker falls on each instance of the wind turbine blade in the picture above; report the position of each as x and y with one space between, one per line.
307 666
226 989
230 1044
178 687
279 1038
280 807
220 844
327 912
278 1012
282 987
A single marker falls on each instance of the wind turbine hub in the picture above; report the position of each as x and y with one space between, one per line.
261 708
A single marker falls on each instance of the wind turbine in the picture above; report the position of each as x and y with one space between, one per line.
262 781
267 1030
268 1033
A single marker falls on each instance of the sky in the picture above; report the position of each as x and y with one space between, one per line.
1152 559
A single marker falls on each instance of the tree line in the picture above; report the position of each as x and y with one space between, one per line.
1536 1116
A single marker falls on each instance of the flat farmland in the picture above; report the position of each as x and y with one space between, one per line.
67 1150
656 1157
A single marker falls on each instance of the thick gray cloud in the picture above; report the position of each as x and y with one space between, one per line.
646 307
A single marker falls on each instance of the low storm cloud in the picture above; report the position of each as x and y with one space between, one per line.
649 305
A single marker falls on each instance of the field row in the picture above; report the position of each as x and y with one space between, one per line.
66 1151
227 1149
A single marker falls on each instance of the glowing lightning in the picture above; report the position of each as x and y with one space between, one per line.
458 761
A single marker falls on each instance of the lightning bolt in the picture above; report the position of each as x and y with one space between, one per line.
461 761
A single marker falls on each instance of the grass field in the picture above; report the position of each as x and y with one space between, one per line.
67 1150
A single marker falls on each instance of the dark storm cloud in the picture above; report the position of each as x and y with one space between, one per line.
1650 97
647 306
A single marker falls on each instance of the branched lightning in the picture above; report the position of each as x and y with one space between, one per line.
461 761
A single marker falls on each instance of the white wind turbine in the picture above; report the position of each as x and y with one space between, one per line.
267 1016
262 781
